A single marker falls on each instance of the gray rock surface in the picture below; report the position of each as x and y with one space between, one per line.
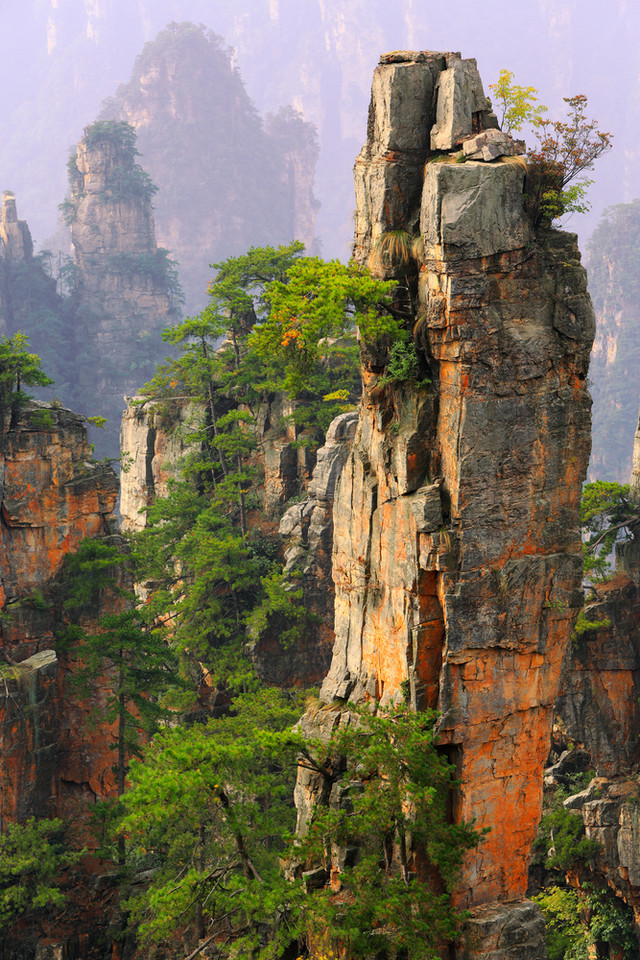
499 931
489 145
473 210
154 442
462 107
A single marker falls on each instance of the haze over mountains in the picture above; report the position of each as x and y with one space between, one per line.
304 65
66 56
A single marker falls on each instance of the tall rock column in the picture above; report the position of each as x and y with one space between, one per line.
125 283
457 558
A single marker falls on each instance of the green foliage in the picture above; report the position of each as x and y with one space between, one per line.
209 809
579 919
319 302
33 856
281 611
561 843
612 922
567 928
607 514
391 803
42 419
19 367
156 266
565 149
135 656
584 625
518 106
97 421
403 365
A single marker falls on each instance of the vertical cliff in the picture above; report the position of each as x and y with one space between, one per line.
125 283
456 556
16 246
52 497
613 284
227 180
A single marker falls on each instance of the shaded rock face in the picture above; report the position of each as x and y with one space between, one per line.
599 709
52 497
307 531
153 442
125 297
599 703
456 558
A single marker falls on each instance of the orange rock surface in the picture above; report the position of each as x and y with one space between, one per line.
52 497
457 557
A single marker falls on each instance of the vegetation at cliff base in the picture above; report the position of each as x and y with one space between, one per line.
33 858
388 827
201 820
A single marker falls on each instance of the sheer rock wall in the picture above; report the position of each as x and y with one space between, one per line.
456 557
16 246
52 497
599 709
124 293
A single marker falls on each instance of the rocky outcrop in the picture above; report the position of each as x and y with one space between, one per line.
154 440
16 246
307 531
457 559
125 283
15 236
227 181
52 497
599 711
599 704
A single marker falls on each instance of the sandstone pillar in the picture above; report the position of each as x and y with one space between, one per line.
457 557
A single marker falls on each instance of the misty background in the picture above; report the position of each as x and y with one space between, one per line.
62 59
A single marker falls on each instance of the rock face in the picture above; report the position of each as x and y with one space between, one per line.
227 181
615 363
16 246
599 709
153 441
598 706
307 531
456 558
124 281
52 496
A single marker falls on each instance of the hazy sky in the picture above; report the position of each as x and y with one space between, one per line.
61 58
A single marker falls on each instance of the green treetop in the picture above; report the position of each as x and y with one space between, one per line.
19 368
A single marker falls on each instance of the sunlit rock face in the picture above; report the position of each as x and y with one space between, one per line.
456 558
